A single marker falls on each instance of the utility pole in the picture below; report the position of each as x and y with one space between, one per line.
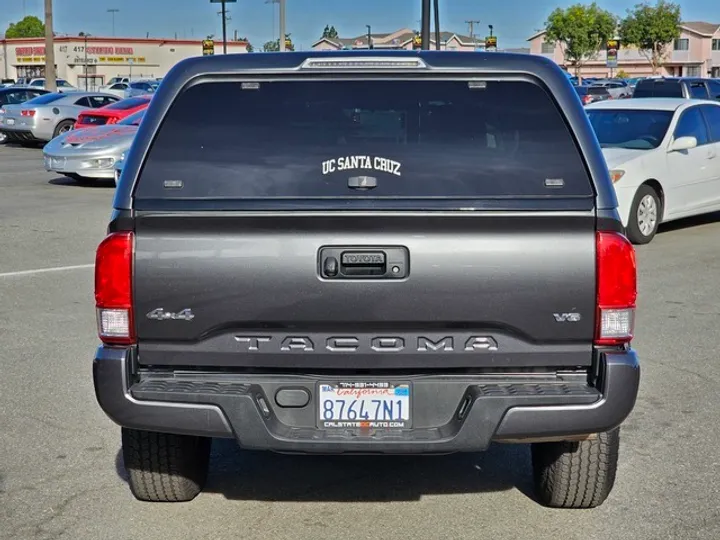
471 25
369 36
225 14
224 21
437 24
425 26
282 25
113 11
86 60
50 76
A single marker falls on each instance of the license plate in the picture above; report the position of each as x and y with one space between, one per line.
360 405
10 121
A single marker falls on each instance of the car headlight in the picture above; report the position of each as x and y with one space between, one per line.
100 163
616 174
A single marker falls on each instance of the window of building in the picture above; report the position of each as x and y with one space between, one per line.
682 44
548 48
692 71
716 44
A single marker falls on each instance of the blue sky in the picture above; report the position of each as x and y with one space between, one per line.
514 20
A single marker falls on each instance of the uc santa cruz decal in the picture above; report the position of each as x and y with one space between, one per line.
374 163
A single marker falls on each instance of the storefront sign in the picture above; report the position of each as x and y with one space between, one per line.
122 59
612 46
208 47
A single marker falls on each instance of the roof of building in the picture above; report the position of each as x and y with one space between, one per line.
96 39
397 38
699 27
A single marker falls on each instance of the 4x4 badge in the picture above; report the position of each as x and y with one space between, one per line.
159 314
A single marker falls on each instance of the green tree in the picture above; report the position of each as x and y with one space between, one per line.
29 27
581 30
274 46
651 29
329 32
271 46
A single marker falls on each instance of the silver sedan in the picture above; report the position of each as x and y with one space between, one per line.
50 115
92 153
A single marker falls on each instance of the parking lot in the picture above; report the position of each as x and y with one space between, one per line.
61 474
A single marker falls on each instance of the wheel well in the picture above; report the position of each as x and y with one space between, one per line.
659 190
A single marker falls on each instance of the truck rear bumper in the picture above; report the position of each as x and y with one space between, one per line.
451 414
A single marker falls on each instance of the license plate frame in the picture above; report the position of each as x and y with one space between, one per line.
365 395
10 121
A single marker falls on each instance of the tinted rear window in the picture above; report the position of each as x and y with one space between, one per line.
658 89
316 139
126 104
45 99
598 91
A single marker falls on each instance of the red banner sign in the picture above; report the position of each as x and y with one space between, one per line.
39 51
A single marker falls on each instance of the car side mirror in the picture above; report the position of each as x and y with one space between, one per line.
683 143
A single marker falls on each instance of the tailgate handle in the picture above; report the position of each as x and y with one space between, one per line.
363 263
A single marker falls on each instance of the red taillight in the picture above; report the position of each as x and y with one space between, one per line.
616 289
586 99
112 120
113 288
26 112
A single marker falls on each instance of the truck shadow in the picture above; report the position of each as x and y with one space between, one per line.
262 476
71 182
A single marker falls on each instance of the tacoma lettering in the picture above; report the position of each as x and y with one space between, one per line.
367 344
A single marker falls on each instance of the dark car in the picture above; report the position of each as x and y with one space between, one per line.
591 94
681 87
366 252
17 96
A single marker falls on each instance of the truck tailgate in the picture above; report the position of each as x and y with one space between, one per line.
481 290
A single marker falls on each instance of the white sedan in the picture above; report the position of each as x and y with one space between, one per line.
664 159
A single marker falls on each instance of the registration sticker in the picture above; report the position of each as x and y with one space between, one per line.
364 405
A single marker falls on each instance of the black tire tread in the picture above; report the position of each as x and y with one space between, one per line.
578 474
633 231
163 467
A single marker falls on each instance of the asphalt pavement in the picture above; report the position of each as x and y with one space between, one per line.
61 474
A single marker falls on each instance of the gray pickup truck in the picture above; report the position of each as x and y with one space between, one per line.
376 252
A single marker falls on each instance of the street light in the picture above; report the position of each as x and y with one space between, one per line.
113 11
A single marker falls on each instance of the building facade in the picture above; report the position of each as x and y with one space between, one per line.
398 40
96 60
696 53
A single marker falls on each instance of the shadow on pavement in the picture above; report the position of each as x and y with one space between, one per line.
90 183
263 476
686 223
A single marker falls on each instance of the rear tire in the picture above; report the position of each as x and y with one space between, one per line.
165 468
576 474
63 127
645 215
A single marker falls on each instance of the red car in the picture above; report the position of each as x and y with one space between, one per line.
113 113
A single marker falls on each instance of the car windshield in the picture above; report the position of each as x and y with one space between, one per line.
631 129
45 99
133 120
